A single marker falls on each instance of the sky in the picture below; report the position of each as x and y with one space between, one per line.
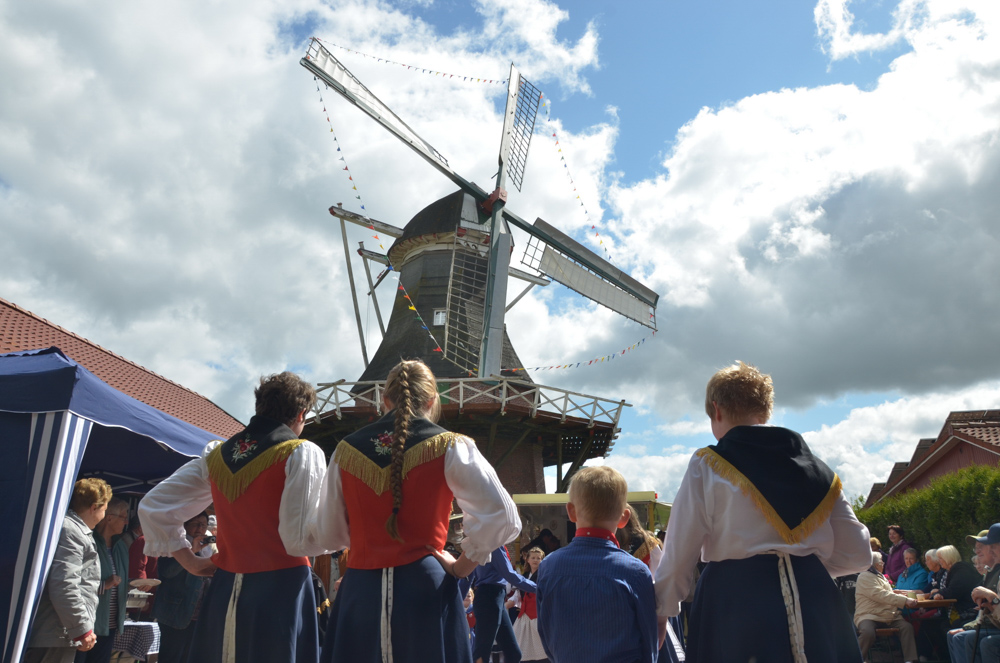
810 188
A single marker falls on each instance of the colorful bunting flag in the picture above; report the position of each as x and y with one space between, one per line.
591 362
546 105
413 68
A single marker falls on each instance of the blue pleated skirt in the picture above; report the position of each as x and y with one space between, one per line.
738 614
427 623
276 619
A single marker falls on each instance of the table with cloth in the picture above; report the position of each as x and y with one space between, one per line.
138 639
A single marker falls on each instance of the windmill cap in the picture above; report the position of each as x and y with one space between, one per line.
990 536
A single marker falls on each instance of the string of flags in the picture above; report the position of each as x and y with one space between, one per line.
418 70
420 321
546 104
596 360
347 169
357 195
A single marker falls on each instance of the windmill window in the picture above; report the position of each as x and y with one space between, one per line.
439 317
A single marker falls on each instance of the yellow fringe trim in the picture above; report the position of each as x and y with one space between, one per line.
820 514
364 468
233 485
647 547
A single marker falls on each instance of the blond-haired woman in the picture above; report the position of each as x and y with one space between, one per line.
388 497
957 582
64 622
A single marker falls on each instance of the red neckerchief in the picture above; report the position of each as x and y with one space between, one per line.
598 533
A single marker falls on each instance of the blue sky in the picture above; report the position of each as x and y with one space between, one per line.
800 182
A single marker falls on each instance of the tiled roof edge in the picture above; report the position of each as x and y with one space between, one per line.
156 375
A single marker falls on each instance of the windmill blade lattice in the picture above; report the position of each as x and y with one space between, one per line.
525 112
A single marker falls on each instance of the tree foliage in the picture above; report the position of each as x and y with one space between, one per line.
945 512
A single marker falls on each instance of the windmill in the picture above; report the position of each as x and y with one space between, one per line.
453 260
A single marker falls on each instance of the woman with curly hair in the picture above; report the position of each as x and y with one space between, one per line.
388 497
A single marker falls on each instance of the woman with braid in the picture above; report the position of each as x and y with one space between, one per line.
388 496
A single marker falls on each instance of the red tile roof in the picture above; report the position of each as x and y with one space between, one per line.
976 427
22 330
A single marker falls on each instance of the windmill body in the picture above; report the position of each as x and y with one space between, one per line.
441 258
452 261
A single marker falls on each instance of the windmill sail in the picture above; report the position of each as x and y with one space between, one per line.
567 261
329 69
518 125
466 291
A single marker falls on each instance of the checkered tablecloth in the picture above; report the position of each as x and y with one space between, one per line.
138 639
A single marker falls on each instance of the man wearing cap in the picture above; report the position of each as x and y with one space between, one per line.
975 541
961 642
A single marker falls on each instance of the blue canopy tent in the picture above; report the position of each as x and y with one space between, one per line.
59 421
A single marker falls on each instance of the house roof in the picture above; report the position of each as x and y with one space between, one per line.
980 428
23 330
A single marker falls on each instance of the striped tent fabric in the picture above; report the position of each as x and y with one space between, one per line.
58 422
56 444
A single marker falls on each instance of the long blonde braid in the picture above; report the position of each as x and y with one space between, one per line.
409 386
401 430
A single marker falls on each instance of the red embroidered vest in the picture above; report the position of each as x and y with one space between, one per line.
423 518
529 606
248 539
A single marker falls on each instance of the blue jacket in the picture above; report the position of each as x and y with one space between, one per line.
178 594
119 550
916 579
498 570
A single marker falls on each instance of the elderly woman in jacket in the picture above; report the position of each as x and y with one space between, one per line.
64 622
958 581
914 577
113 594
877 604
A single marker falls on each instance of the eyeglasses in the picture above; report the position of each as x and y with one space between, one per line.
123 516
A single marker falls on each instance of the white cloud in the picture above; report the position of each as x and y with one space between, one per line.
824 233
864 446
165 170
659 472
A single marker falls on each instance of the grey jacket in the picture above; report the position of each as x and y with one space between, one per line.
69 602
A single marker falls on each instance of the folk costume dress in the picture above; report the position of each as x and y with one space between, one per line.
774 526
396 603
526 627
265 483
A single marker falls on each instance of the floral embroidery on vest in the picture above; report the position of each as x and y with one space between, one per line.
244 448
383 444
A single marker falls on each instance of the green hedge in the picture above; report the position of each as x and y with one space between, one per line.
944 512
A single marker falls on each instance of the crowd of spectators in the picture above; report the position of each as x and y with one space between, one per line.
591 599
962 624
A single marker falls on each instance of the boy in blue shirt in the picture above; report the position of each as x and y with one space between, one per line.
595 601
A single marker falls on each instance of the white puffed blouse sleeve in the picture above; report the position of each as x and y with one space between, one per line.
491 519
175 500
305 470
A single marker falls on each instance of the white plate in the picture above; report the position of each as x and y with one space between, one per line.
143 582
